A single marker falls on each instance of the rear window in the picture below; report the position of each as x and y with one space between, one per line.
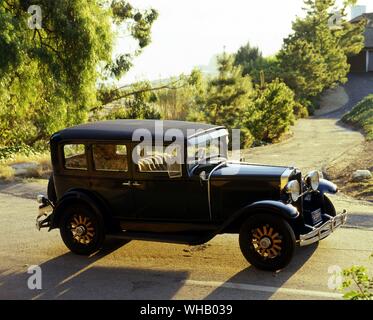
75 156
110 157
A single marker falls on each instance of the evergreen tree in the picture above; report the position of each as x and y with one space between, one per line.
314 57
228 97
303 68
249 58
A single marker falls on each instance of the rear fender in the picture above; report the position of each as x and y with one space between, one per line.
83 197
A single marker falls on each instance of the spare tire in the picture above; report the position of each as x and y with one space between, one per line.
51 191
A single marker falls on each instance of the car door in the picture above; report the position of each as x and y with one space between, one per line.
173 196
112 177
158 197
198 199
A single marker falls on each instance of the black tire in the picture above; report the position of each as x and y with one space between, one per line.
91 227
280 242
51 191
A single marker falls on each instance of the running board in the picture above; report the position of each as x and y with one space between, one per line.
181 238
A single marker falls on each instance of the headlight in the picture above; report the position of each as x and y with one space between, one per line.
40 199
293 189
313 180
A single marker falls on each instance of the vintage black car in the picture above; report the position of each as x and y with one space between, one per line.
107 181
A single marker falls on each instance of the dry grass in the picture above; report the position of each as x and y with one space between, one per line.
43 159
6 173
341 172
43 169
361 116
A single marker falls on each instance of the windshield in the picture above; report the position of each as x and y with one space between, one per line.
207 148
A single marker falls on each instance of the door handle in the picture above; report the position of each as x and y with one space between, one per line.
128 183
136 184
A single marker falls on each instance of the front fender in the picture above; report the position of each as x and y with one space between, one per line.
286 211
326 186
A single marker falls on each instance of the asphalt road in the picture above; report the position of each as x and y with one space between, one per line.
146 270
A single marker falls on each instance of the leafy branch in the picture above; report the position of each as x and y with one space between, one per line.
112 95
357 277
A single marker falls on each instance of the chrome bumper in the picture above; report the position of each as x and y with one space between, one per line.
45 212
324 230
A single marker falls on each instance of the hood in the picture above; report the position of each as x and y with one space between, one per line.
232 171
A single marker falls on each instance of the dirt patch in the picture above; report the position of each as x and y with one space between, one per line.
341 169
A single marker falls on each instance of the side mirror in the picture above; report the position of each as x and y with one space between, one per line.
203 176
174 170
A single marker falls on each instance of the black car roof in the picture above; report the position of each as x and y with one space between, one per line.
123 129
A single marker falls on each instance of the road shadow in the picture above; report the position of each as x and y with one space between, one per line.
74 277
256 277
23 188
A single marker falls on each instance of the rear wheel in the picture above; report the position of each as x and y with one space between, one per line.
82 230
267 242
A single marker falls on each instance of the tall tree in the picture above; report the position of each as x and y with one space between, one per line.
303 68
228 94
227 98
49 75
249 58
314 56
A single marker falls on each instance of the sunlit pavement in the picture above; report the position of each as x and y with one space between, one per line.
146 270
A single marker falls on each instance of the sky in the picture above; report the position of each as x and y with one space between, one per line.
188 33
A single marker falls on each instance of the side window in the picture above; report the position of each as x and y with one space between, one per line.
75 157
157 162
110 157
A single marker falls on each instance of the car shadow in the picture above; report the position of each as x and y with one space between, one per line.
74 277
261 285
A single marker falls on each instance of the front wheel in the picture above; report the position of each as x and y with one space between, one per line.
82 230
267 241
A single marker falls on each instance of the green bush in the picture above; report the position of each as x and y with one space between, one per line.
361 116
9 152
274 112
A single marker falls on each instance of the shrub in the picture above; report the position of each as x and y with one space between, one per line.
361 116
358 279
6 173
11 151
274 107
